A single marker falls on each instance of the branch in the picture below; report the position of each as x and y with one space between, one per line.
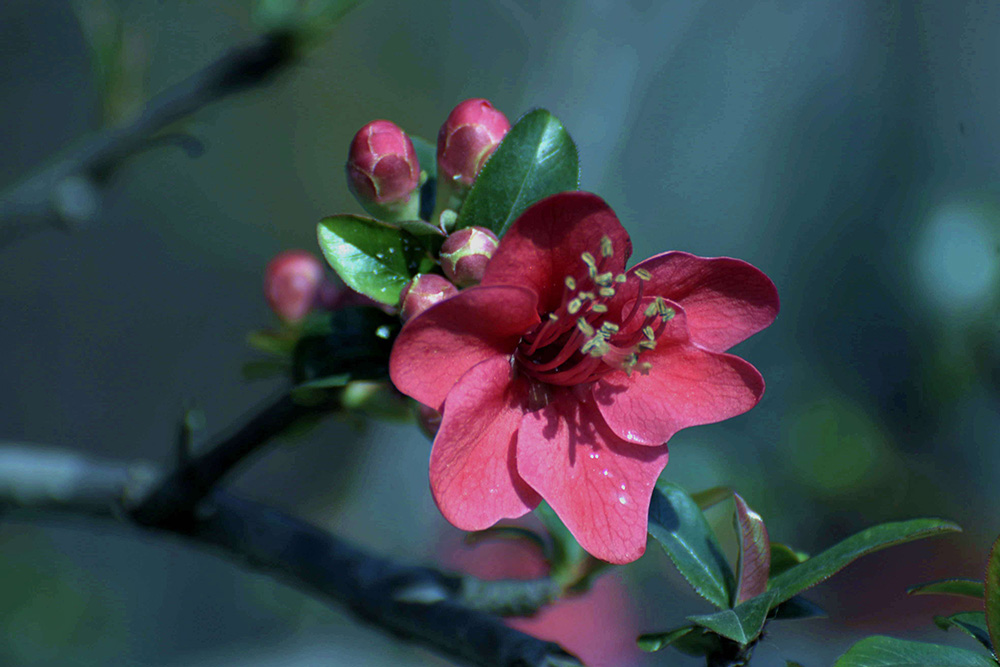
443 611
66 194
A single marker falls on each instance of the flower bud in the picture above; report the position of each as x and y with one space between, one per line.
382 166
292 282
465 254
423 292
468 137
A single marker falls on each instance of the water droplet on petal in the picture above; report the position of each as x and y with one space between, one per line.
623 499
606 472
595 455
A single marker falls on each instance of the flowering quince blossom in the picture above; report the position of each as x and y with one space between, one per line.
562 375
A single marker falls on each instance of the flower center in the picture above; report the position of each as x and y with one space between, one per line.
582 339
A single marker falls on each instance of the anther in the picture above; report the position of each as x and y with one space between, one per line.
609 329
651 310
599 308
584 296
584 327
647 344
606 248
604 279
647 331
570 283
589 260
645 367
643 274
606 291
620 278
574 306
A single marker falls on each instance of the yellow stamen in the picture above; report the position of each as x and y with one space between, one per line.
643 274
584 327
570 283
606 248
599 308
574 306
606 291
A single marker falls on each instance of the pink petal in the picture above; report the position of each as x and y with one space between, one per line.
599 485
439 345
544 245
686 386
473 475
726 300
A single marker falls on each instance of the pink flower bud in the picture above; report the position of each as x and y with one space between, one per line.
423 292
465 254
382 166
291 284
469 136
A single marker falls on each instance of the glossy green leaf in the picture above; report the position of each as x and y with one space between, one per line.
783 557
823 565
676 522
742 623
972 623
969 588
371 257
881 651
690 640
797 608
992 593
713 496
536 159
755 552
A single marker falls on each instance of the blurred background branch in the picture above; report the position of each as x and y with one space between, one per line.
454 614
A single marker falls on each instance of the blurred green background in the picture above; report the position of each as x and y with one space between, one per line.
849 150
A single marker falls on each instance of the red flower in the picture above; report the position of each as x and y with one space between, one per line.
562 376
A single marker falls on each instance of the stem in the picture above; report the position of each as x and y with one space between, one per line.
42 200
452 614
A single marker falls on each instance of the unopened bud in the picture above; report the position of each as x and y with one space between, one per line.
292 282
429 420
465 254
382 166
468 137
423 292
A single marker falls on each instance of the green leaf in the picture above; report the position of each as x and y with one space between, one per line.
992 593
262 369
566 551
824 565
356 348
972 623
792 663
797 608
970 588
689 639
742 623
713 496
536 159
426 155
656 641
270 342
372 257
676 522
882 651
755 552
783 557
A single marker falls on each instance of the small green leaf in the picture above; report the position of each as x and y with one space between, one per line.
992 593
964 587
270 342
421 228
713 496
536 159
755 552
426 155
656 641
690 640
792 663
824 565
681 529
882 651
797 608
742 623
566 551
371 257
972 623
784 557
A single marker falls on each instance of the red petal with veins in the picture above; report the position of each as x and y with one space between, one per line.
726 299
439 345
544 245
686 386
473 473
598 484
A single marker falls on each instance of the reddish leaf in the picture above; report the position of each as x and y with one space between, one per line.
755 552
